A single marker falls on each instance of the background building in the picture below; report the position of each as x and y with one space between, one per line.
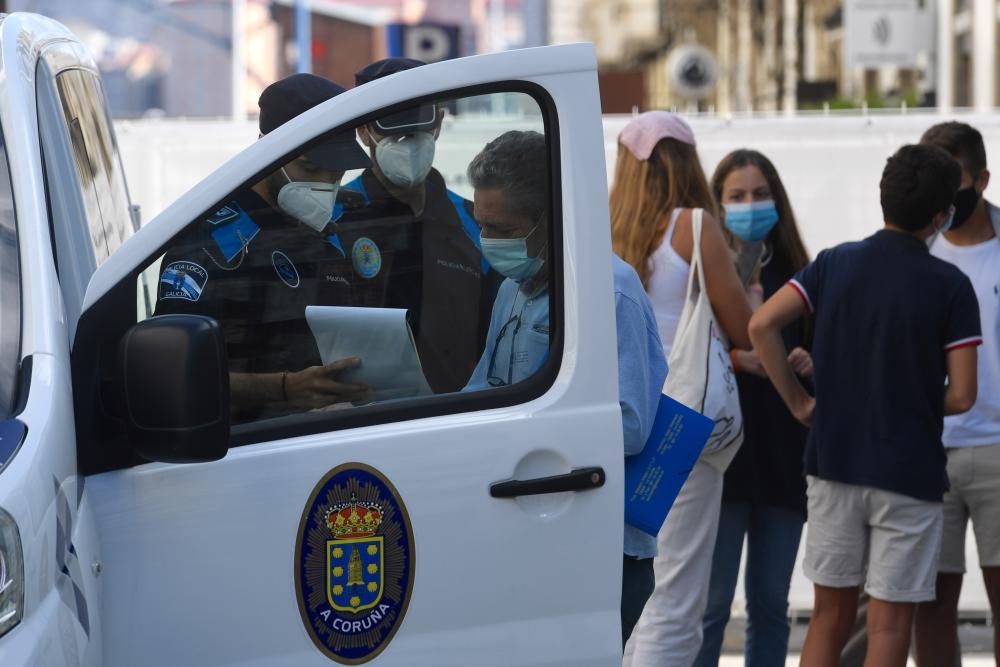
761 55
727 56
968 58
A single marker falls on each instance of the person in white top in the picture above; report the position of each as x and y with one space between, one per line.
972 439
658 182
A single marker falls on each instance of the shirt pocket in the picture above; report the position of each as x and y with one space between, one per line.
531 353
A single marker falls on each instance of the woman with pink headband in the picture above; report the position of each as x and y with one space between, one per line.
659 184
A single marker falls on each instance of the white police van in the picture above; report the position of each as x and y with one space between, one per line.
139 527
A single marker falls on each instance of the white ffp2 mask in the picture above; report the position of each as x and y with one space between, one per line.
311 203
406 160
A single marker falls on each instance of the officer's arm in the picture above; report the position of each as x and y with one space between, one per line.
307 389
250 392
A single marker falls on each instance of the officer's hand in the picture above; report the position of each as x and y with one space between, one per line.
318 386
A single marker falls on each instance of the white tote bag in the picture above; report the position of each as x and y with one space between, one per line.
701 373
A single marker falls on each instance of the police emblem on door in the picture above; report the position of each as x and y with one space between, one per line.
354 564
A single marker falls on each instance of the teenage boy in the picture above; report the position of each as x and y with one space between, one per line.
892 322
971 440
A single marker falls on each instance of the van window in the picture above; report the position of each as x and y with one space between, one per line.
84 183
10 293
98 166
346 287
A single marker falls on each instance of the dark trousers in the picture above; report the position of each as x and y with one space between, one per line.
637 586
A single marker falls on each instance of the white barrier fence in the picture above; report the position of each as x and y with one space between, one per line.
830 166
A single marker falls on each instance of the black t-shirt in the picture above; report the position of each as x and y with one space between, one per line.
767 470
255 270
887 313
430 265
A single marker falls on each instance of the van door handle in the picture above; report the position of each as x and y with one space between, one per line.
580 479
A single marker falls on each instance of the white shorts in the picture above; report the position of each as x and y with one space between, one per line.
860 535
974 474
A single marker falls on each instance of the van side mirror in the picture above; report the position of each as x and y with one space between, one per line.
174 375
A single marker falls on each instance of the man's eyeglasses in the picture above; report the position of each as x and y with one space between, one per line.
491 377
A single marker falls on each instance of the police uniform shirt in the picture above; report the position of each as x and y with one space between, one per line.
255 270
430 265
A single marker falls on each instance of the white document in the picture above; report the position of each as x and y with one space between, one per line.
381 338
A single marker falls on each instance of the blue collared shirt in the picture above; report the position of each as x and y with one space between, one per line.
642 369
517 345
517 342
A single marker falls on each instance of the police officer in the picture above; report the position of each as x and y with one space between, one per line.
414 244
266 254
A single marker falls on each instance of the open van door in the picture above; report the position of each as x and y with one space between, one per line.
397 528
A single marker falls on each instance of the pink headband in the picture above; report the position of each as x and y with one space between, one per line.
644 131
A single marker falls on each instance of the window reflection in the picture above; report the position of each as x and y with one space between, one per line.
355 272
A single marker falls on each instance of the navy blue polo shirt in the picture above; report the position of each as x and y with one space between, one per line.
887 313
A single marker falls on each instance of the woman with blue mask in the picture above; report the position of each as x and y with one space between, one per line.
751 221
764 492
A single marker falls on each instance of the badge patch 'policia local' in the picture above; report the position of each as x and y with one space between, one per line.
353 563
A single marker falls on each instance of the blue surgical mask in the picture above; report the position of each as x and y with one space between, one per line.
751 222
510 256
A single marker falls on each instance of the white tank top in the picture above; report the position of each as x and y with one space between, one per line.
668 285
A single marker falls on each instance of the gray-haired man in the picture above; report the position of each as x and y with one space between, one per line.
511 182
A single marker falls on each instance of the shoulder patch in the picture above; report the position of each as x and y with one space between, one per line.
183 280
285 269
367 258
354 564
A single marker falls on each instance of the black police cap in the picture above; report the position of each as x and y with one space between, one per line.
285 99
381 68
418 119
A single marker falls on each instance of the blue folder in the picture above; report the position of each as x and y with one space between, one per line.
654 477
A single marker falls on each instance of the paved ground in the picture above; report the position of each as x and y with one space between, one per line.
793 661
976 637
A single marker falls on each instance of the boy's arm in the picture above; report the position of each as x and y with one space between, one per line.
963 334
960 394
765 332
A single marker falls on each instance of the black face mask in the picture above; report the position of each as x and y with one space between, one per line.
966 201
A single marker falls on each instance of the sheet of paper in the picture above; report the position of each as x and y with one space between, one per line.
381 338
654 477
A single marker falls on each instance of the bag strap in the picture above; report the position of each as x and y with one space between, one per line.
696 264
696 220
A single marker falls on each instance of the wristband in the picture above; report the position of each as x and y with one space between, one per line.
732 358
